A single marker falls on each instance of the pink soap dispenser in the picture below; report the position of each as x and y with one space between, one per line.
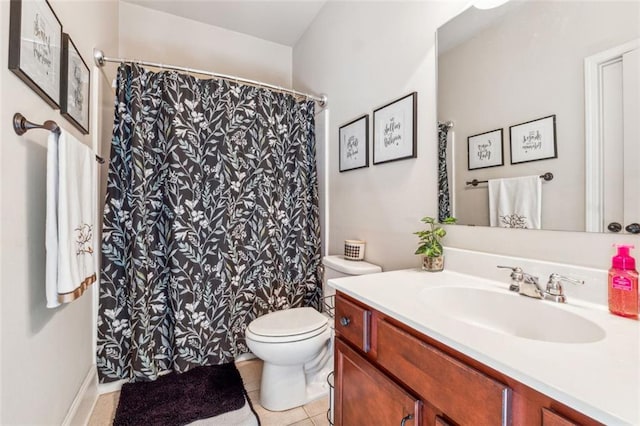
623 283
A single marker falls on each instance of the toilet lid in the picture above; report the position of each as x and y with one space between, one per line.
289 322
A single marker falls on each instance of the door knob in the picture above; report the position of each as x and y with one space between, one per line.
614 227
633 228
345 321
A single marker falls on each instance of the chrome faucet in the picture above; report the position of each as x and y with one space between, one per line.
554 287
523 283
516 277
527 285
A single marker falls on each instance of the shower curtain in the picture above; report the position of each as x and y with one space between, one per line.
444 205
211 219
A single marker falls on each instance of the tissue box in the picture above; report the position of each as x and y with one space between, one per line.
354 249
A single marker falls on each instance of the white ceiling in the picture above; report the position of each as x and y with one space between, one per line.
282 22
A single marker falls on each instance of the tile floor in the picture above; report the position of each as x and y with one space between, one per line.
314 413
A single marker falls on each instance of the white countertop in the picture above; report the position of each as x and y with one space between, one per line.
600 379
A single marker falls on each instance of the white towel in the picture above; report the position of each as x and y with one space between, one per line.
515 202
70 223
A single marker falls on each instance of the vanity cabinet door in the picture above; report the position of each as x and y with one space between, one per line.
353 323
549 418
366 396
462 393
442 422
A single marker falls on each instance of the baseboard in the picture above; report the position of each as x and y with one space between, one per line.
117 385
245 357
111 386
82 406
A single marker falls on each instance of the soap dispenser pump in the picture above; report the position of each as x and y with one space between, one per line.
623 283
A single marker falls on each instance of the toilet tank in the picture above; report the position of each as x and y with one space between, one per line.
336 266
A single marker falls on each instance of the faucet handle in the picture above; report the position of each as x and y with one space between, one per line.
554 289
517 276
514 269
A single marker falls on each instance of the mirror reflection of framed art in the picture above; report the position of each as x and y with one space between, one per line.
534 140
485 150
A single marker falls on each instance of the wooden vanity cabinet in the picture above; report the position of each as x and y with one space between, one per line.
386 372
549 418
367 393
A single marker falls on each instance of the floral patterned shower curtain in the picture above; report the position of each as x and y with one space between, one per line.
444 205
211 219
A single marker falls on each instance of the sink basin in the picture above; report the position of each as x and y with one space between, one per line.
511 314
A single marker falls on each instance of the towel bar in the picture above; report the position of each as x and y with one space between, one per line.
547 176
21 126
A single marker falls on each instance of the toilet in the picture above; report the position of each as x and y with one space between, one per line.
296 345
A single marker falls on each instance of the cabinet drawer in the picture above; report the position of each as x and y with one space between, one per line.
353 323
466 395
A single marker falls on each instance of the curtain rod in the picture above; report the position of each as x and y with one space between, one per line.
100 60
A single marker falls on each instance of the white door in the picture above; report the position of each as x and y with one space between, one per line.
613 155
631 137
612 102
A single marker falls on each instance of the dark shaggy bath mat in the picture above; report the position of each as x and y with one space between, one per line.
179 399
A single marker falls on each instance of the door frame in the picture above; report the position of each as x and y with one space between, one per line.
594 141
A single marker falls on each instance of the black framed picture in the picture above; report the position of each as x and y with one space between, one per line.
354 144
395 130
74 86
485 150
35 42
534 140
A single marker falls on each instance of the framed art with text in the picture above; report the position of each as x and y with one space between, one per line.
395 129
485 150
35 42
74 86
354 144
534 140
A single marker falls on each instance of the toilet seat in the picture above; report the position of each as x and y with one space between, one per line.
289 325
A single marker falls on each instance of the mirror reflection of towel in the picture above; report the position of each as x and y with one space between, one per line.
516 202
70 223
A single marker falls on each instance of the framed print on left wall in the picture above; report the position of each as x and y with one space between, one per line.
35 42
74 86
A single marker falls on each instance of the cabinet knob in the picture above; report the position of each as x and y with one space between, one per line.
633 228
405 418
614 227
345 321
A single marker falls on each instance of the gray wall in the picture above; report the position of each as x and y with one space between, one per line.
46 354
527 66
360 55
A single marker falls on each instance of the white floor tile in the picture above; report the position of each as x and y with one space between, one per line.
317 407
280 418
320 420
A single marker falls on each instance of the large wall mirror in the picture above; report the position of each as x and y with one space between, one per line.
539 117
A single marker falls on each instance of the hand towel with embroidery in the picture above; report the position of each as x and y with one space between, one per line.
516 202
71 215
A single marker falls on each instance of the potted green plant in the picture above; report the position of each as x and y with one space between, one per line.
431 243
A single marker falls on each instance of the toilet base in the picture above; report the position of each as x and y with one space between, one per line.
284 387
